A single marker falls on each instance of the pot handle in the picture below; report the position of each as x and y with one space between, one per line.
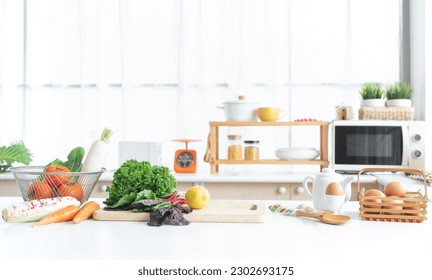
305 184
220 107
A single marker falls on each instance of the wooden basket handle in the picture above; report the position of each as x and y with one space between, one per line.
404 170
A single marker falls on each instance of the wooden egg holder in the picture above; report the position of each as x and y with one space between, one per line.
414 206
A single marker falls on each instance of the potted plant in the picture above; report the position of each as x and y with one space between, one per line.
372 95
399 95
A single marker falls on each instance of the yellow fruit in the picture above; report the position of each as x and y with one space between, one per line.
197 197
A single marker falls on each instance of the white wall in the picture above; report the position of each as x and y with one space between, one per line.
428 78
421 66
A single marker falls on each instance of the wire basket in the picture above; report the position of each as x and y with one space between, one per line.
34 183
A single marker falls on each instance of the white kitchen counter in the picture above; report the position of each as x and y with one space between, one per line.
295 241
279 236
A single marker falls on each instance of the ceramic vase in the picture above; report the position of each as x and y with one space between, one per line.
373 103
399 103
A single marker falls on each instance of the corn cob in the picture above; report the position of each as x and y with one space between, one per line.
34 210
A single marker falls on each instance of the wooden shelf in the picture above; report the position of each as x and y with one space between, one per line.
271 161
302 123
212 153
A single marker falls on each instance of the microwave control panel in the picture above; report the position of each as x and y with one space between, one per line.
417 131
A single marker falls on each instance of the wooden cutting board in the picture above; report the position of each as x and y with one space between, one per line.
218 211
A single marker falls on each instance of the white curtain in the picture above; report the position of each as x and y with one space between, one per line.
155 70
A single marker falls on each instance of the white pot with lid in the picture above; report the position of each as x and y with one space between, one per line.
240 110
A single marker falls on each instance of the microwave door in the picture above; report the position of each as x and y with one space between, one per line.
363 146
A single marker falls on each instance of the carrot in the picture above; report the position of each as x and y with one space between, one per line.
62 215
86 212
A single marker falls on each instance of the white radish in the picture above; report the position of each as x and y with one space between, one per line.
98 153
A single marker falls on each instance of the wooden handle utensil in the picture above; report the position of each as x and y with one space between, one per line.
325 217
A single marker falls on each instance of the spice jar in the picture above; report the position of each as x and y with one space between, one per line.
234 147
251 149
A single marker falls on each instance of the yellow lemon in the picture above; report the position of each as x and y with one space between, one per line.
197 197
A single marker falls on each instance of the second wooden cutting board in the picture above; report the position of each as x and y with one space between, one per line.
218 211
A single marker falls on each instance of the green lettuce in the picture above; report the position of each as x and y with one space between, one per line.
138 176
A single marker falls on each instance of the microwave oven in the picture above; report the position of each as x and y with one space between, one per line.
372 143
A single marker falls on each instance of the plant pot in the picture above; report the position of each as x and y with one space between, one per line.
240 110
373 103
399 103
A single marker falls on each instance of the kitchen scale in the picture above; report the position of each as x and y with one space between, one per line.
185 161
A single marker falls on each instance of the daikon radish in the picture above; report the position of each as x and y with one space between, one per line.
98 153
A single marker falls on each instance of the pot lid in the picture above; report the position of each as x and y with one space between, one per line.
241 100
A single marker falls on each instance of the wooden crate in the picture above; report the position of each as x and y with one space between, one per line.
414 203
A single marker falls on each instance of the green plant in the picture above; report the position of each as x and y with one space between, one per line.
399 90
16 152
371 91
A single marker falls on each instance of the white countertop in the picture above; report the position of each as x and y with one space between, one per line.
299 241
279 236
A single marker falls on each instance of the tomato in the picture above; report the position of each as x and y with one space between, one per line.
39 190
71 189
56 180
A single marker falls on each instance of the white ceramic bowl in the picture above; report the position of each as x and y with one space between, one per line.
297 153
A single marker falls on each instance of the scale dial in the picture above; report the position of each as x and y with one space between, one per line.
185 161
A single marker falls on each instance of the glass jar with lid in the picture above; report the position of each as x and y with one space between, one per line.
234 147
251 149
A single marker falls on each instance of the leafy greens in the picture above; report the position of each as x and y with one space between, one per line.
140 180
74 160
16 152
170 215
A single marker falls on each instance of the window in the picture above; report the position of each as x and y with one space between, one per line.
156 70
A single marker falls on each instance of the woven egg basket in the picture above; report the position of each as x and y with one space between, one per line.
413 208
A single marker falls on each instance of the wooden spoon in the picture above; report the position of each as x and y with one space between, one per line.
325 217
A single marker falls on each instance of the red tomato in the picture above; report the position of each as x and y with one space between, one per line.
56 180
39 190
71 189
